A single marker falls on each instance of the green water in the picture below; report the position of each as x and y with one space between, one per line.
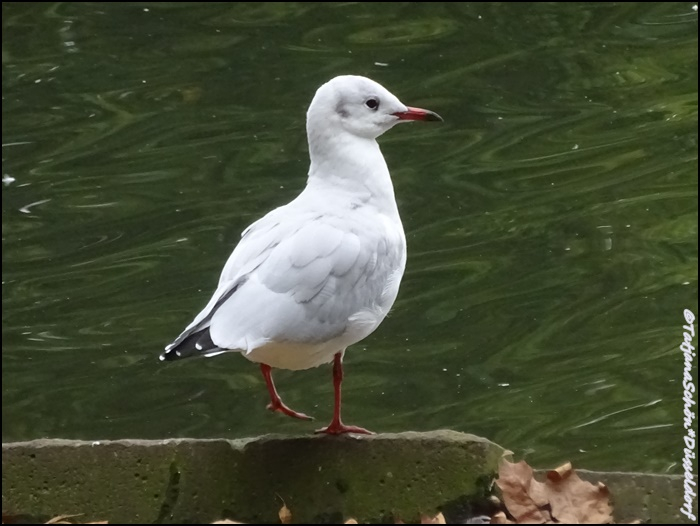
551 220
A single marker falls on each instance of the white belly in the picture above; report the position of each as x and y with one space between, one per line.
293 356
297 356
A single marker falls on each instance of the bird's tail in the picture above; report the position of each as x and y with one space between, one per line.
195 344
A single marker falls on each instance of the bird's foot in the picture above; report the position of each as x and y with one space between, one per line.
338 428
281 408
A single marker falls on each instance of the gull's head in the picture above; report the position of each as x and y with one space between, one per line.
360 107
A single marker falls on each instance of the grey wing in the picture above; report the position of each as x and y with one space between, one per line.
257 241
311 287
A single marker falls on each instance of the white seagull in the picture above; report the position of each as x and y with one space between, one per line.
320 273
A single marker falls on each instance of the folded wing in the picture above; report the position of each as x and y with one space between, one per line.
297 281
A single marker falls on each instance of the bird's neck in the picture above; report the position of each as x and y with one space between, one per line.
352 165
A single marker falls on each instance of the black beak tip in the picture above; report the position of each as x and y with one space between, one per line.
432 116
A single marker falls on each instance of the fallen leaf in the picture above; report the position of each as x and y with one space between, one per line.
573 500
351 521
500 518
525 498
61 519
560 472
437 519
285 514
562 498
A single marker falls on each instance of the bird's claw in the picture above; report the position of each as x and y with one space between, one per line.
281 408
338 428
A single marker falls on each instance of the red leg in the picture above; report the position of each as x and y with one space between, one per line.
336 427
276 403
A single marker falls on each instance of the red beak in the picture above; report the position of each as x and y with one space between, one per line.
417 114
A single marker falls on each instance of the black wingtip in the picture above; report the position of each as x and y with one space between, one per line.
167 356
196 344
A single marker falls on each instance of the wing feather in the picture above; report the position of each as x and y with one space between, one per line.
303 278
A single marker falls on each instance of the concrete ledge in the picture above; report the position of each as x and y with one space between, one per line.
321 479
652 499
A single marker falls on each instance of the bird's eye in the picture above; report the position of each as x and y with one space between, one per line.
372 103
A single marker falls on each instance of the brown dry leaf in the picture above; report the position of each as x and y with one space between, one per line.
437 519
61 519
562 498
573 500
351 521
525 498
500 518
285 514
